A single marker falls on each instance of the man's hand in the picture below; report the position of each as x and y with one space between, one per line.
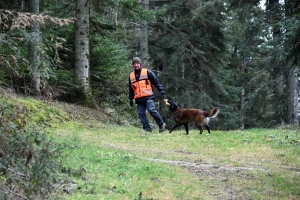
131 102
163 94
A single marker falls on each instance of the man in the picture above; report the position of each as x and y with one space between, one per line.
141 82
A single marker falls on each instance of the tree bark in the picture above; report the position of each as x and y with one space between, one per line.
293 102
144 36
244 65
82 55
34 46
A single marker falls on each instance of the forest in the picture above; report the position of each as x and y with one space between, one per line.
67 130
241 56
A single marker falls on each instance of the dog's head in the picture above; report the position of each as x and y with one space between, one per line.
172 105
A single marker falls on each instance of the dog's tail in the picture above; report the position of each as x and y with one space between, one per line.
213 113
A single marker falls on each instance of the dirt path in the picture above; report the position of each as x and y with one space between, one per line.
204 166
219 178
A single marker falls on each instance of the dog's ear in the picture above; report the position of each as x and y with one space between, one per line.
179 105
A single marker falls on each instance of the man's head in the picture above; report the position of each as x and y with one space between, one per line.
136 63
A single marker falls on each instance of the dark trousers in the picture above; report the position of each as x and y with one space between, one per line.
150 106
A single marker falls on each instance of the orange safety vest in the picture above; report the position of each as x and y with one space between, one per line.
142 87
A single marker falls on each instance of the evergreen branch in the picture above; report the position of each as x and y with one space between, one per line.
24 20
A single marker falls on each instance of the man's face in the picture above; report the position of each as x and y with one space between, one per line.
136 66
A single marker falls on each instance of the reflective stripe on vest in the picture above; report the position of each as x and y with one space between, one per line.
142 87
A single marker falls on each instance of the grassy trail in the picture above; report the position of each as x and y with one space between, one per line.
112 162
119 162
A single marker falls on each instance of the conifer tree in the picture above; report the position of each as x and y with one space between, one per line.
194 42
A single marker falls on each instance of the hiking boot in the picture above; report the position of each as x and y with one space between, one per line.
162 128
148 130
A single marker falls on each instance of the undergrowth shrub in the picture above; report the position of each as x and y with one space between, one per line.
29 160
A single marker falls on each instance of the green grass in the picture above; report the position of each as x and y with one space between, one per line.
114 173
108 161
118 162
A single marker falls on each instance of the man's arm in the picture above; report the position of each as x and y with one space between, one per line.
155 81
131 93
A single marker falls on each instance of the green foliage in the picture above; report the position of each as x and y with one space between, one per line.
193 45
109 72
291 34
13 61
207 51
17 70
29 160
64 87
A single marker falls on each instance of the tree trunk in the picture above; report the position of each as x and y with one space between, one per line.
279 99
18 4
144 36
242 103
244 65
82 54
293 104
165 54
34 46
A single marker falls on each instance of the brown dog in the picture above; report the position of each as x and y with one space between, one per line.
185 116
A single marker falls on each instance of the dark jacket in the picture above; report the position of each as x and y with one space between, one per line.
153 79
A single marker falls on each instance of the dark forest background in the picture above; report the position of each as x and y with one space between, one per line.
242 56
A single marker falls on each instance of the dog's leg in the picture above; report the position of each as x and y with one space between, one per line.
175 126
200 127
186 126
207 127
